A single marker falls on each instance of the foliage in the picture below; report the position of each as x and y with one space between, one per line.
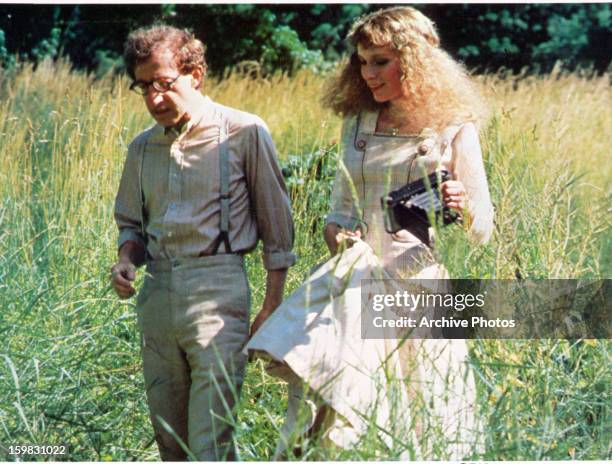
526 35
287 37
324 27
69 365
7 60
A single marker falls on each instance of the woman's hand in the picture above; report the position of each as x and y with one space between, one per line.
453 195
347 236
335 236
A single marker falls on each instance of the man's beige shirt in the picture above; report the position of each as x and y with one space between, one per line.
180 182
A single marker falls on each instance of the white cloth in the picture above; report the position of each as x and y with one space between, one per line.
322 342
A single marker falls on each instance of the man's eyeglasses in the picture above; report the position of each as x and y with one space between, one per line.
161 85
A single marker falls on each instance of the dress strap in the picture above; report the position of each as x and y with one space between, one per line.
365 126
355 135
368 121
448 135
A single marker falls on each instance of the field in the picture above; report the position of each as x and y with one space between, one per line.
69 360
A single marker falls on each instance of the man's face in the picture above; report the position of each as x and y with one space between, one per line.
171 107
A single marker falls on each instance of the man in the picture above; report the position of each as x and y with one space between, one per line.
197 192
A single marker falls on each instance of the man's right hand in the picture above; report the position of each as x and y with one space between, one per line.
131 254
122 275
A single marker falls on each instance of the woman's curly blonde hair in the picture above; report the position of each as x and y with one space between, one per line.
437 85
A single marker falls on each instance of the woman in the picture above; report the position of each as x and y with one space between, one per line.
409 110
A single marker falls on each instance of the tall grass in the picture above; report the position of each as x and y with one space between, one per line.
69 363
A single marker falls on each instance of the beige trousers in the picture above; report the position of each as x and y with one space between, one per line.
194 318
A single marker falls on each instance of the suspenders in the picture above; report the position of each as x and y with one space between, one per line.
224 188
142 144
224 166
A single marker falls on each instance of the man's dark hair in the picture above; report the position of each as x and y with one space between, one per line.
142 43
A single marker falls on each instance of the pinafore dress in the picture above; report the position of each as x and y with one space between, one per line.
419 392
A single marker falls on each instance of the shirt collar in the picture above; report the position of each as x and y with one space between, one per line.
177 130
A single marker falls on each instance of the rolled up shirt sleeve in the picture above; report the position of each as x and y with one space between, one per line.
270 201
343 208
468 168
128 202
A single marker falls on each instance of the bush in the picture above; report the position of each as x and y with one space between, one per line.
288 37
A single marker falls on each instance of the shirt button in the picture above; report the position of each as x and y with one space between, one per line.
361 144
424 148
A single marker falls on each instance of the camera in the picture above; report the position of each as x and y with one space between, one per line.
413 206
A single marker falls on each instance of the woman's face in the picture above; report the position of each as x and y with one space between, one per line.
381 71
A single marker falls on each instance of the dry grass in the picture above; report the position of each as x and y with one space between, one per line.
69 366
